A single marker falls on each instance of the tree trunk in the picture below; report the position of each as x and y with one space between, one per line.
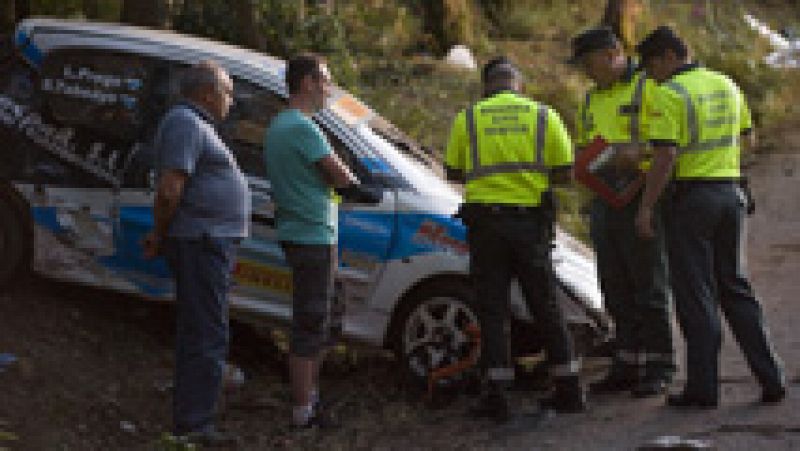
22 9
622 16
147 13
91 9
448 22
8 16
247 24
325 6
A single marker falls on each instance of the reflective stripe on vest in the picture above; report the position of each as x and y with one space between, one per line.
636 101
695 145
537 165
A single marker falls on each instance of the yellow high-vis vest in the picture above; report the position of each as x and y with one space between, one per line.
711 114
506 145
629 112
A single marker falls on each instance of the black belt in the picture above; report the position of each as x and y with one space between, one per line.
701 182
504 208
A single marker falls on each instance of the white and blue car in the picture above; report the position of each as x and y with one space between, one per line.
79 103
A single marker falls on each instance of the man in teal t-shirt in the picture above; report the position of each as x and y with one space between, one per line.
306 213
303 170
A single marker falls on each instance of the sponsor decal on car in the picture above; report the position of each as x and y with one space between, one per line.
262 276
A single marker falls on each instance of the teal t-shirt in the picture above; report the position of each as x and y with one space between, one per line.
305 210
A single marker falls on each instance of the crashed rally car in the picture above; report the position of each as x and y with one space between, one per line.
79 104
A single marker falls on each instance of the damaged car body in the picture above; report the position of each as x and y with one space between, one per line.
79 104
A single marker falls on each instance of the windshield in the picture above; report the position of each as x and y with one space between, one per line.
417 174
398 160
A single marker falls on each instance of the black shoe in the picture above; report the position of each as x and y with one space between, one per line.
684 401
493 406
613 383
569 397
320 419
211 438
648 388
773 395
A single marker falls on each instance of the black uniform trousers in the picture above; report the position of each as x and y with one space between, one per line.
635 285
508 242
705 233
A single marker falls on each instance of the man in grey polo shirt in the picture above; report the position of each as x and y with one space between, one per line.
202 211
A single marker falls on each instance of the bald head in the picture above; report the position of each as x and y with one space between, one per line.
500 74
208 85
203 75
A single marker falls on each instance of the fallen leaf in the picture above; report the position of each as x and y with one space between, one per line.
8 436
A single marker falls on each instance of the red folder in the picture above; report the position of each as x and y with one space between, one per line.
595 158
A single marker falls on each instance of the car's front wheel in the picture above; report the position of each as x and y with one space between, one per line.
438 326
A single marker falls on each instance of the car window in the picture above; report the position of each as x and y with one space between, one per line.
244 128
100 92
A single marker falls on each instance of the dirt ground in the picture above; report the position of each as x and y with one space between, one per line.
94 373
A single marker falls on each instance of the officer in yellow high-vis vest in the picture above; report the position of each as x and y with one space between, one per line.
624 108
508 150
705 221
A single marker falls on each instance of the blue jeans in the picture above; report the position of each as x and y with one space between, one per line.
202 270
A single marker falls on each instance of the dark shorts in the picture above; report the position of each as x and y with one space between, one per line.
313 267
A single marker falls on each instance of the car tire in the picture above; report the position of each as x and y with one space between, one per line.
15 242
430 330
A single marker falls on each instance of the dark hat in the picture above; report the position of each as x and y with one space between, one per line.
499 65
659 40
591 40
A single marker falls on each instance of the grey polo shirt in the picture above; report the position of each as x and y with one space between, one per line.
216 198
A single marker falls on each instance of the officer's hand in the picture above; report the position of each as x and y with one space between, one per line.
644 223
627 157
151 245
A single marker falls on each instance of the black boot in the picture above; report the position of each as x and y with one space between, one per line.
617 380
773 395
684 400
650 387
569 396
492 405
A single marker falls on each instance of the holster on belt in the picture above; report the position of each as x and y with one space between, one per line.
549 207
466 213
750 202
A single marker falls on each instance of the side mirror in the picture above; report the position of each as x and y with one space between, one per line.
361 194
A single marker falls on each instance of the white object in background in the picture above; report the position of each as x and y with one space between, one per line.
787 55
461 56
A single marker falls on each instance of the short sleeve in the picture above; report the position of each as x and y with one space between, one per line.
312 143
558 145
745 118
178 143
580 124
457 145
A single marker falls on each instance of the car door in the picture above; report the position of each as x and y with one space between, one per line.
262 274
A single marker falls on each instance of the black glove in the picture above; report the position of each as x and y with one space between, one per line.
361 194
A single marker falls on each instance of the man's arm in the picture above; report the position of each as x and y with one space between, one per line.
456 150
338 176
561 176
455 175
335 173
657 178
168 196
